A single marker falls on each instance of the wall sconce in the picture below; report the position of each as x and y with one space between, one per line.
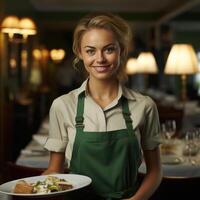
182 60
12 25
57 55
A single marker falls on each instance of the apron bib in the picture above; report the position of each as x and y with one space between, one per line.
111 159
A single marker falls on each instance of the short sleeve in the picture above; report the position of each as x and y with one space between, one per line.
57 139
150 136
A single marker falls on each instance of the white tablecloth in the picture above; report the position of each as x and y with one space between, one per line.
174 169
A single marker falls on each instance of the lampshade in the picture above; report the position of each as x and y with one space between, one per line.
131 66
181 60
27 26
10 25
10 22
146 63
13 25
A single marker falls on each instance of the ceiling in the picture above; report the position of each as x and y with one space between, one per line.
62 14
56 17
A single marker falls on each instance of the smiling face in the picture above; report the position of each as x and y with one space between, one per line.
100 52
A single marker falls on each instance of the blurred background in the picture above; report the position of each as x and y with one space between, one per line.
36 60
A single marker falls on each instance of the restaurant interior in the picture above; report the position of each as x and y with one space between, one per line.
36 67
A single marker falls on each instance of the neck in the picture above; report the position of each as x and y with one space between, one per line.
103 89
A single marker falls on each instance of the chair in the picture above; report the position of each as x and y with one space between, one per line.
174 188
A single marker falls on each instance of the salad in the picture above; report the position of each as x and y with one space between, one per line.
50 184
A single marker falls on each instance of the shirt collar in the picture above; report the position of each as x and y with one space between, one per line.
83 88
122 90
126 92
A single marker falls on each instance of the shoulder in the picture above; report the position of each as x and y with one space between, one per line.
65 101
138 97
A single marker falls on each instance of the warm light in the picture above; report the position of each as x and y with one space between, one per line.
13 63
45 54
10 22
131 66
41 54
24 57
10 25
146 63
27 26
13 25
57 55
182 59
37 54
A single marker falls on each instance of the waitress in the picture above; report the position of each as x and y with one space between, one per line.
103 129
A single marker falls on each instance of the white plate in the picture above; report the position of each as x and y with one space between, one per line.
171 160
78 181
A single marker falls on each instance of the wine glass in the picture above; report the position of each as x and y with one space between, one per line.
191 148
163 131
170 126
197 137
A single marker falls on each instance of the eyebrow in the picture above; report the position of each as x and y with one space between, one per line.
89 47
103 47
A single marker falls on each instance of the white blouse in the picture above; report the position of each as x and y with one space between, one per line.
62 130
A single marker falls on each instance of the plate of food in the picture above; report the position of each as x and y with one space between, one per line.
46 185
171 160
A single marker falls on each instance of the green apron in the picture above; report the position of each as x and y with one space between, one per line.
111 159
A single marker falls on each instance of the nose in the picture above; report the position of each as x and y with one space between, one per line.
100 57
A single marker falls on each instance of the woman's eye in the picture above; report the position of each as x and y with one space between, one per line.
110 50
90 52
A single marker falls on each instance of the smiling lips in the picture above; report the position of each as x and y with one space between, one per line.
102 68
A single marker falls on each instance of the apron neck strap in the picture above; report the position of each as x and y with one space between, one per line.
79 113
80 110
126 113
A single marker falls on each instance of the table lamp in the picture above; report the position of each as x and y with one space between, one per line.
145 64
182 60
131 66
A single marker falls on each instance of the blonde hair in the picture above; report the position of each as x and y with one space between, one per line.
116 24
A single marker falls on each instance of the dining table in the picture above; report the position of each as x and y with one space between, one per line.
175 162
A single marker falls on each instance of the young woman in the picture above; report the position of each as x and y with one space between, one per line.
102 127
